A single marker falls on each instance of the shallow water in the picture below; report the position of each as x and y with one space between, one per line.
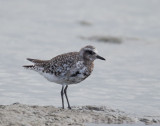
129 79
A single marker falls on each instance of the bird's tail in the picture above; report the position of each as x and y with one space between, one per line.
36 61
37 64
29 66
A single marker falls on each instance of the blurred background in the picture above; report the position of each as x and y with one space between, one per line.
126 33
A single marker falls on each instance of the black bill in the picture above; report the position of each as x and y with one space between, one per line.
99 57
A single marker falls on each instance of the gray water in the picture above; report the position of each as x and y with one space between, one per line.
129 80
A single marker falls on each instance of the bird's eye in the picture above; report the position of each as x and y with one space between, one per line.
90 52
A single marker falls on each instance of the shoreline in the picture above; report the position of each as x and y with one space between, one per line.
33 115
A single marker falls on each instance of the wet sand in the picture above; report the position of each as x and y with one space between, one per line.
32 115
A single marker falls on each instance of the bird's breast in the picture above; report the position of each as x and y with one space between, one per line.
79 75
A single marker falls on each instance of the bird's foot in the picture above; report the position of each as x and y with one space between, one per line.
69 107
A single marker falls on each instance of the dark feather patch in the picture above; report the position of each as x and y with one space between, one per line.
28 66
75 74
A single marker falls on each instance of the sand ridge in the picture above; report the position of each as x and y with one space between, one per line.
33 115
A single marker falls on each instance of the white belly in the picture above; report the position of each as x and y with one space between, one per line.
52 78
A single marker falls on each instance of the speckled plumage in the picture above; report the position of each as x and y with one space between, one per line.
68 68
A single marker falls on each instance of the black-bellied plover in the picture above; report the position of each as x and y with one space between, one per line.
68 68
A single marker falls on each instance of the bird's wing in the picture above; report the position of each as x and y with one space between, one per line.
63 63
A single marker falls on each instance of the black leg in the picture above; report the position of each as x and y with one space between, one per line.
62 97
65 92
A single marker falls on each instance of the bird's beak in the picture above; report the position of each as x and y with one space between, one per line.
99 57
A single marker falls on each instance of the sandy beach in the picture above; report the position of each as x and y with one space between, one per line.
32 115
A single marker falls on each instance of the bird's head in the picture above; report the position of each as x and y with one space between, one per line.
89 53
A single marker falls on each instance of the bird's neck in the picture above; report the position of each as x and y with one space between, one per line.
89 65
88 62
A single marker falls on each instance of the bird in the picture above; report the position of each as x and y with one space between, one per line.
67 69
